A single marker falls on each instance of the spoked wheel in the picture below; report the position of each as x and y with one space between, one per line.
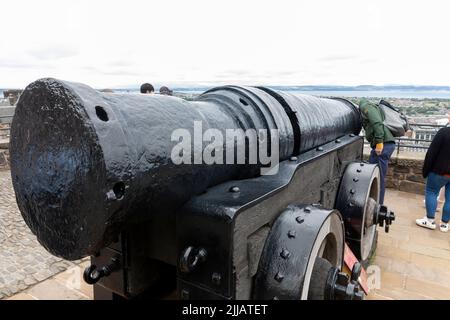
357 201
299 236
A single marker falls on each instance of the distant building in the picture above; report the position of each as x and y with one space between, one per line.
442 122
424 133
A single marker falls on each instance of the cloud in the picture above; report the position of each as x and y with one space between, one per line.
108 43
15 64
338 57
233 74
121 63
53 52
111 71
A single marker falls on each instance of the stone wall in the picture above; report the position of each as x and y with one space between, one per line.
405 172
4 156
406 175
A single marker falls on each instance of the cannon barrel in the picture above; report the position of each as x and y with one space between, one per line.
83 163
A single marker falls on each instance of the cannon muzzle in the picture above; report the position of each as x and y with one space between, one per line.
84 163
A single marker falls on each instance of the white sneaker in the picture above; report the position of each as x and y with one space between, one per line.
444 227
426 223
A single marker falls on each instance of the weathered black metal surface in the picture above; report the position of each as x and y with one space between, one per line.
299 235
320 120
83 162
224 222
357 200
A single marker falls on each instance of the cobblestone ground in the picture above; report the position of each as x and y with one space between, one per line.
23 261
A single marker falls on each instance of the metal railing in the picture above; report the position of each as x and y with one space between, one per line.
417 144
429 125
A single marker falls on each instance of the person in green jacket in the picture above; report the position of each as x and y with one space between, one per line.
380 138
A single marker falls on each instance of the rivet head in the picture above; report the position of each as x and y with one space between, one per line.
307 210
216 278
235 189
299 220
352 135
352 191
319 149
361 164
351 204
279 277
275 298
285 254
338 140
185 294
292 234
293 159
355 179
359 170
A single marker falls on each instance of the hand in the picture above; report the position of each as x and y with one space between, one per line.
409 133
379 148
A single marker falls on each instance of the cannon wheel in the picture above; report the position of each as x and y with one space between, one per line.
299 236
357 200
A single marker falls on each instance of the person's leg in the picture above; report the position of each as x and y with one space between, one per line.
446 209
431 192
444 225
383 162
442 195
433 186
373 158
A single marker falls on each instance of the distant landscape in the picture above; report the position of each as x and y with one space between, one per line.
362 90
415 101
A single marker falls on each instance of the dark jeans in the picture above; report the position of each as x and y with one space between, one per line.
434 184
382 160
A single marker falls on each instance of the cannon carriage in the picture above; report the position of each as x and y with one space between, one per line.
93 176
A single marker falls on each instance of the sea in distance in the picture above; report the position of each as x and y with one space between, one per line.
398 93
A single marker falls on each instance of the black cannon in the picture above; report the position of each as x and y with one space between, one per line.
94 174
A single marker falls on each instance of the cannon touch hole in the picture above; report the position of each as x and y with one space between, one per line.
245 103
119 190
101 113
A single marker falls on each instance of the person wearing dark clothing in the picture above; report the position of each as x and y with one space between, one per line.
380 138
165 91
436 169
147 88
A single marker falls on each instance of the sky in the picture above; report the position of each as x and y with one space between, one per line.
113 44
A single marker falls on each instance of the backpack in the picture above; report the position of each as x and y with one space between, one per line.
393 119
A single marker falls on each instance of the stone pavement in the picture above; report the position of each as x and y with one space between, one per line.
414 262
23 261
67 285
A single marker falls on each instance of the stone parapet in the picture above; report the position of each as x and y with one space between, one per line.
405 171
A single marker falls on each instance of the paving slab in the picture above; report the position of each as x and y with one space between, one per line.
414 262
